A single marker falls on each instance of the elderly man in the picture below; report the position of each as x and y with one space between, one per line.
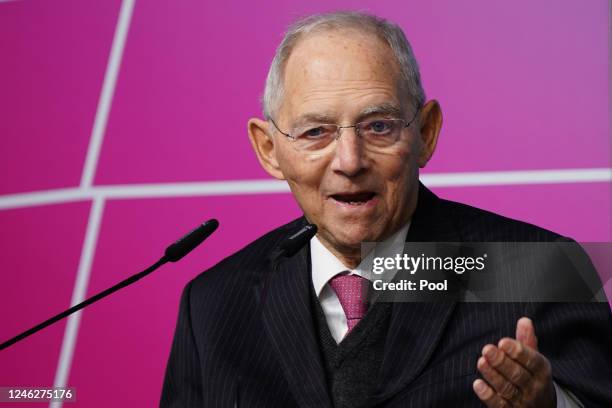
348 127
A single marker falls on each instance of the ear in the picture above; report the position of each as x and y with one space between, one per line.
431 122
265 149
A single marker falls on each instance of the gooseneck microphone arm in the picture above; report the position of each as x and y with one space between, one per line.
173 253
288 247
81 305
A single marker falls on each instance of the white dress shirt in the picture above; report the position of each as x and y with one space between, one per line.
326 265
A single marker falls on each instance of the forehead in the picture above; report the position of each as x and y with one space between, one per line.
339 70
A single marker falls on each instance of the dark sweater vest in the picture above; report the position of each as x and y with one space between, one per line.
352 367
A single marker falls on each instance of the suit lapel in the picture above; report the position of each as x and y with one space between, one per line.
288 320
415 329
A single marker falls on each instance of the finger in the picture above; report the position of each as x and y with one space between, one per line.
488 396
498 382
525 332
531 359
510 369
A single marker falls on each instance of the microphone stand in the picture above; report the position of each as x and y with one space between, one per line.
84 303
173 253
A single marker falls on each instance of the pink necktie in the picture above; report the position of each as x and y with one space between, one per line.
351 291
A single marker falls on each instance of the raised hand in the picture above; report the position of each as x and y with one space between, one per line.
515 373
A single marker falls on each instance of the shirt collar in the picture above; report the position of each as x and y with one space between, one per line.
325 265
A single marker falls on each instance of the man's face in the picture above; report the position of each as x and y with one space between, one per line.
352 193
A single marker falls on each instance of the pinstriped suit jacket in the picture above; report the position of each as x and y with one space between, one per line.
231 350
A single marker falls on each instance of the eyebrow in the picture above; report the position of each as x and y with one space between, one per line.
383 109
314 118
386 109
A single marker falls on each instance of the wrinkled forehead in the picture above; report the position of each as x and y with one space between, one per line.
333 66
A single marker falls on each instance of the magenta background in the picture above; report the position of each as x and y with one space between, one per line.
523 85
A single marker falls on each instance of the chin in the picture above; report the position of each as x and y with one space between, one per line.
351 236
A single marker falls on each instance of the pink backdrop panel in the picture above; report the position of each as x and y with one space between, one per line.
54 56
523 86
40 257
124 341
506 75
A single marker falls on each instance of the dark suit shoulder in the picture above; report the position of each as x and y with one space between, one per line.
475 224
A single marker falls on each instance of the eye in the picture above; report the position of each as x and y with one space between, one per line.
379 126
318 132
314 132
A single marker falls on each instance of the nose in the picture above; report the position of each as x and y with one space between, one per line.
349 158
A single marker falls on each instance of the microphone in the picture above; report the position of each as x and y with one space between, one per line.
191 240
289 247
295 242
173 253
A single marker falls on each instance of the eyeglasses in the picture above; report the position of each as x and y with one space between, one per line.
377 134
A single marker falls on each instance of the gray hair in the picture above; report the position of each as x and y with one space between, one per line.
387 31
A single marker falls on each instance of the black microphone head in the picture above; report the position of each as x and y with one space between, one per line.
296 241
194 238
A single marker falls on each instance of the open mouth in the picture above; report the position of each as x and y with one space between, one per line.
354 198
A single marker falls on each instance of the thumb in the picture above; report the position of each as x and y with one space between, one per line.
525 333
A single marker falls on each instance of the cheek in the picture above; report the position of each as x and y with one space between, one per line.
398 164
399 174
290 165
304 176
